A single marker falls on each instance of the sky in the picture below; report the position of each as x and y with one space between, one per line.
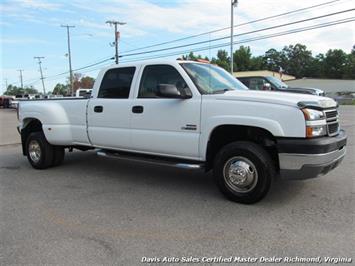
30 28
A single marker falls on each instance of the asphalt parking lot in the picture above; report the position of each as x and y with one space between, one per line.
93 210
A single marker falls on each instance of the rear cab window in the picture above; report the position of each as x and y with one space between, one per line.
116 83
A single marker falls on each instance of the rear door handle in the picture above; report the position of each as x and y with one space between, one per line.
98 109
138 109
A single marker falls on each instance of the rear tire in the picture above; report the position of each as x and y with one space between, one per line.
58 155
243 172
40 153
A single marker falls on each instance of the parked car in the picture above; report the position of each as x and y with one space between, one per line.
194 116
274 84
5 101
86 93
15 100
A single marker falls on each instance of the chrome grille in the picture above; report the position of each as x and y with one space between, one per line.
332 122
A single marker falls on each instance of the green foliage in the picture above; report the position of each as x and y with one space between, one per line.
295 60
14 90
222 60
61 89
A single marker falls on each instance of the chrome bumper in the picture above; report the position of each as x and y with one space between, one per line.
303 166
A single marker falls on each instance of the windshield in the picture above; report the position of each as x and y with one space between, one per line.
278 83
210 79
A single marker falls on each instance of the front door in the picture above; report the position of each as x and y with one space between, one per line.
165 126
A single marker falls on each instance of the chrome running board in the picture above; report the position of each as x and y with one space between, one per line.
141 158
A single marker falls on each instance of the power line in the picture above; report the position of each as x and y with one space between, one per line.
322 25
297 30
241 34
239 25
294 11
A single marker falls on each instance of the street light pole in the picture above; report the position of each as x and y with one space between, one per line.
69 56
234 3
115 23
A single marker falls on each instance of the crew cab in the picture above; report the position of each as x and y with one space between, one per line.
274 84
190 115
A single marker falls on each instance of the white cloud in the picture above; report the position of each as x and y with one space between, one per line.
37 4
190 17
23 41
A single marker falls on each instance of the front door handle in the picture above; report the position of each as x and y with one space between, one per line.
138 109
98 109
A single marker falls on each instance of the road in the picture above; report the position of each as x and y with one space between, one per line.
93 210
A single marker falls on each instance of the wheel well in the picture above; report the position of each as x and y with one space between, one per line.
30 125
226 134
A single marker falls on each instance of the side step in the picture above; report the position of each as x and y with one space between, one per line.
142 158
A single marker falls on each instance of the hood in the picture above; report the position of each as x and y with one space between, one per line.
290 99
305 89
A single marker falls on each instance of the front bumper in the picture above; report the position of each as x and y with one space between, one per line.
308 158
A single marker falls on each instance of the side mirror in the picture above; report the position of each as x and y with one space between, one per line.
267 87
170 91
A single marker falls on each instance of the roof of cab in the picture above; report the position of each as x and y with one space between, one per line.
152 62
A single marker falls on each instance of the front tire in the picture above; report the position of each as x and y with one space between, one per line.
40 153
243 171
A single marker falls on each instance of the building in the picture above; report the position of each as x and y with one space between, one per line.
264 73
330 86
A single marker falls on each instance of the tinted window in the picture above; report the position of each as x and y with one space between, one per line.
256 83
117 83
159 74
245 81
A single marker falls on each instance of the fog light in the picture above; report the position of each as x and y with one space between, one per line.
316 131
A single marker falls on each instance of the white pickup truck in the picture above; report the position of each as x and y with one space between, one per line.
191 115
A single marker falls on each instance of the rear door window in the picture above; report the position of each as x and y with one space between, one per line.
116 83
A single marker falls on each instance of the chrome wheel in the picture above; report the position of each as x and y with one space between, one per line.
240 174
34 150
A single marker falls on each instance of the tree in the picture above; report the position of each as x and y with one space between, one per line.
298 60
335 63
14 90
192 56
222 60
242 59
61 89
87 82
350 65
274 59
80 81
76 81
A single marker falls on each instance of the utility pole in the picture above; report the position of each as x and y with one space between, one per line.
40 70
69 55
234 3
115 23
5 85
21 80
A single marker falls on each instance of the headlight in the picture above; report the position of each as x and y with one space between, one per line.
311 114
316 124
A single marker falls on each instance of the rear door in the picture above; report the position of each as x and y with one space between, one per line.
165 126
109 113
